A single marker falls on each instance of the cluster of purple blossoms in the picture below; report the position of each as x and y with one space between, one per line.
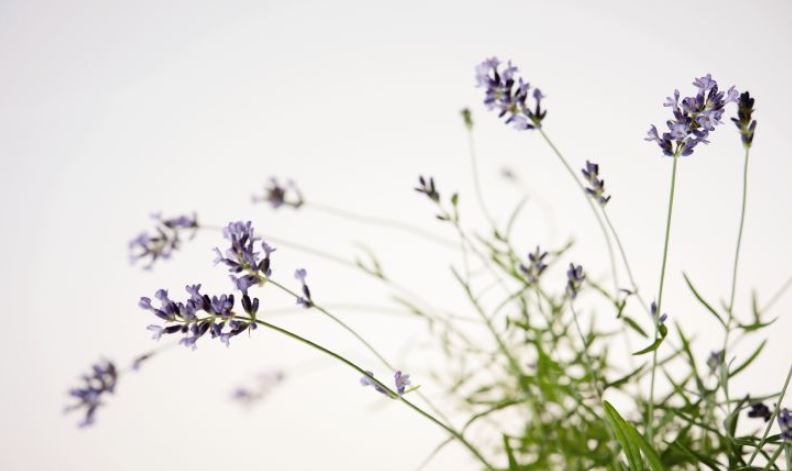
744 120
305 300
244 262
98 383
166 239
536 267
760 411
596 188
400 380
508 95
653 311
714 361
694 117
575 277
785 424
219 318
278 195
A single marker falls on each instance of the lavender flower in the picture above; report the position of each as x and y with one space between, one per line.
278 195
714 361
304 300
219 318
400 379
785 424
428 188
744 121
164 242
508 94
536 266
694 117
653 311
243 258
760 411
100 382
264 384
596 188
575 277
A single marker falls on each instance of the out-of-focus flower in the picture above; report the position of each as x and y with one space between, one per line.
467 117
97 384
535 267
400 380
653 311
744 120
428 188
278 195
760 411
219 318
694 117
575 277
508 94
714 361
165 240
263 385
305 300
596 188
785 424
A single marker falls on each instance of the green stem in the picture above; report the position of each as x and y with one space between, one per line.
623 255
476 181
574 176
390 392
776 410
650 414
739 232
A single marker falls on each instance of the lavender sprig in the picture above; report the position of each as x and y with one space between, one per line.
785 424
244 262
278 195
575 278
596 188
744 120
535 267
694 117
164 242
97 384
304 300
400 379
508 95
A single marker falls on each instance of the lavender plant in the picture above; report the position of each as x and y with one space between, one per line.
538 390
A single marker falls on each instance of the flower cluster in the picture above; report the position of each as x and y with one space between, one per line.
219 318
714 361
304 300
508 95
244 262
596 188
785 424
760 411
278 195
694 117
165 240
536 267
400 379
575 277
744 120
98 383
653 311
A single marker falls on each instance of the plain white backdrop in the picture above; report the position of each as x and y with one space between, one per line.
112 110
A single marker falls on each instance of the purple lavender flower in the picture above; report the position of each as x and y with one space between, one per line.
97 384
694 117
278 195
596 188
508 95
760 411
164 242
785 424
243 258
402 381
536 266
367 381
653 311
219 318
744 121
304 300
575 277
714 361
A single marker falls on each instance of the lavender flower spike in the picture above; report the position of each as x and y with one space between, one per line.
744 120
97 384
596 188
508 95
536 266
278 195
244 262
760 411
785 424
694 117
164 242
575 277
304 300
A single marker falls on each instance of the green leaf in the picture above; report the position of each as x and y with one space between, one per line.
634 326
663 331
749 360
632 442
703 302
513 466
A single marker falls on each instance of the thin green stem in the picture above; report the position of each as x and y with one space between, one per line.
476 181
626 263
574 176
739 232
650 413
770 422
389 392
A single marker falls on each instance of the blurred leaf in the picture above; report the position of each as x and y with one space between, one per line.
631 441
663 331
702 301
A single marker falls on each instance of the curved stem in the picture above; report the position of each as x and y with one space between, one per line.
380 221
591 205
625 262
739 233
650 414
390 392
476 181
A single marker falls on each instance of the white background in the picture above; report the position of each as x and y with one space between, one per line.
112 110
